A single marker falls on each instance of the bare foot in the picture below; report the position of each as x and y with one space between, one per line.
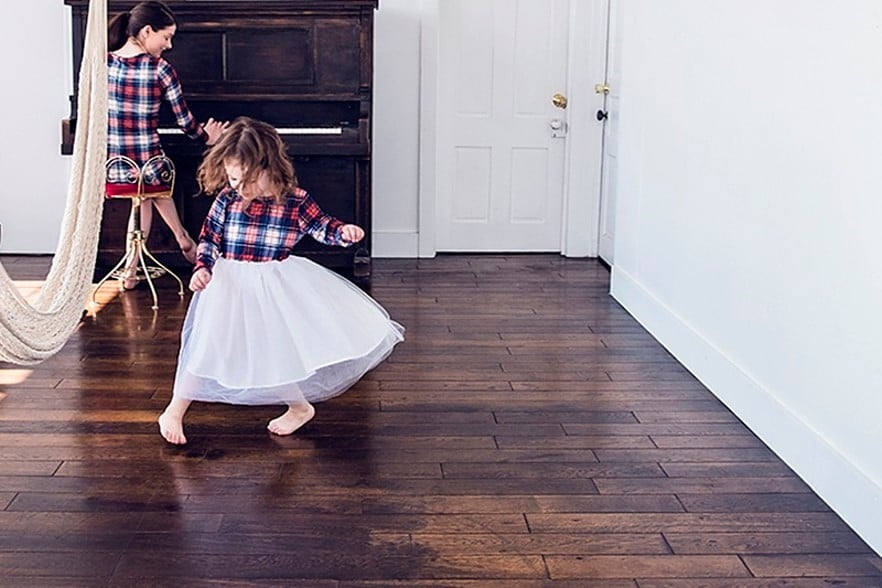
130 279
188 249
172 429
294 418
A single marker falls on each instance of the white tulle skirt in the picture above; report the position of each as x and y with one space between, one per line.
279 332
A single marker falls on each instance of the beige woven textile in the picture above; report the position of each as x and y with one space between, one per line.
31 333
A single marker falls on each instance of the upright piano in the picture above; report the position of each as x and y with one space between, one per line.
304 66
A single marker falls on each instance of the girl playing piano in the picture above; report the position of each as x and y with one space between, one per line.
265 326
138 79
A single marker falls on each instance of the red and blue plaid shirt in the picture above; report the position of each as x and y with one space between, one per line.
260 229
136 87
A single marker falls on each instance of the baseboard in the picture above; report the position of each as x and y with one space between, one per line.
851 493
395 244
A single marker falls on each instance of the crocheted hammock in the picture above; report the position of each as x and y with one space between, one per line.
31 333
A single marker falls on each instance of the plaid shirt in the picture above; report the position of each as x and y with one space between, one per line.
261 230
136 87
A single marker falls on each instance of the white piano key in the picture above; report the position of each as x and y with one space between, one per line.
280 130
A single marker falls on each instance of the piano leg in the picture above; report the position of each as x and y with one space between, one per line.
361 264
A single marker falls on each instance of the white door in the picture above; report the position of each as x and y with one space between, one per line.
501 140
610 142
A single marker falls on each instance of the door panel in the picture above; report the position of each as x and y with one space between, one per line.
500 170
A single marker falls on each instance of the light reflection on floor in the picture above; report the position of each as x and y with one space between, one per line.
109 291
30 291
12 376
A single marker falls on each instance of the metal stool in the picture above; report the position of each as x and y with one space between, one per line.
135 189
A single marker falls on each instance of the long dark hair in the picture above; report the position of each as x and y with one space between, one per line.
127 24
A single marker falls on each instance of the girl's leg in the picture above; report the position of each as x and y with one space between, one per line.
171 421
169 213
295 417
146 218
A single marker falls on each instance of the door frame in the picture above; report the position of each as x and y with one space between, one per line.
605 232
588 34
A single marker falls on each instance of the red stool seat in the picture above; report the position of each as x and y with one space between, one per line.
125 190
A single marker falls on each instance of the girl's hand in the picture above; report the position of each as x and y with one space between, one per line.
200 279
352 233
214 129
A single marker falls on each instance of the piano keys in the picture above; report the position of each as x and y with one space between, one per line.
281 131
303 66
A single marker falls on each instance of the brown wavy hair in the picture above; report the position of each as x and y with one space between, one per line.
256 147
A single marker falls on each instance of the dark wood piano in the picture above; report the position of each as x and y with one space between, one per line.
304 66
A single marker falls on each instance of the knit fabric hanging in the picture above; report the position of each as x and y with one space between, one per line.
31 333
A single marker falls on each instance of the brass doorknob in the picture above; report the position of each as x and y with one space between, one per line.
559 100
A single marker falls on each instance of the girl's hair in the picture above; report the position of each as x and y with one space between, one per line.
256 147
127 24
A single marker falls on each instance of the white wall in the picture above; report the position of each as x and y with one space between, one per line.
36 70
748 225
396 128
36 62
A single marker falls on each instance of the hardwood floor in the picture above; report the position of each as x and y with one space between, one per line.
527 433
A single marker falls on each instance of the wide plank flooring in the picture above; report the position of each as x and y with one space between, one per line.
527 433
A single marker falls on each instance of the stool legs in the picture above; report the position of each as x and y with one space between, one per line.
136 257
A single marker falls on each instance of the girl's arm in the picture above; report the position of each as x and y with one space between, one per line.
171 89
211 236
320 226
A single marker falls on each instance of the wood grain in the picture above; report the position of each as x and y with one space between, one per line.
528 433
